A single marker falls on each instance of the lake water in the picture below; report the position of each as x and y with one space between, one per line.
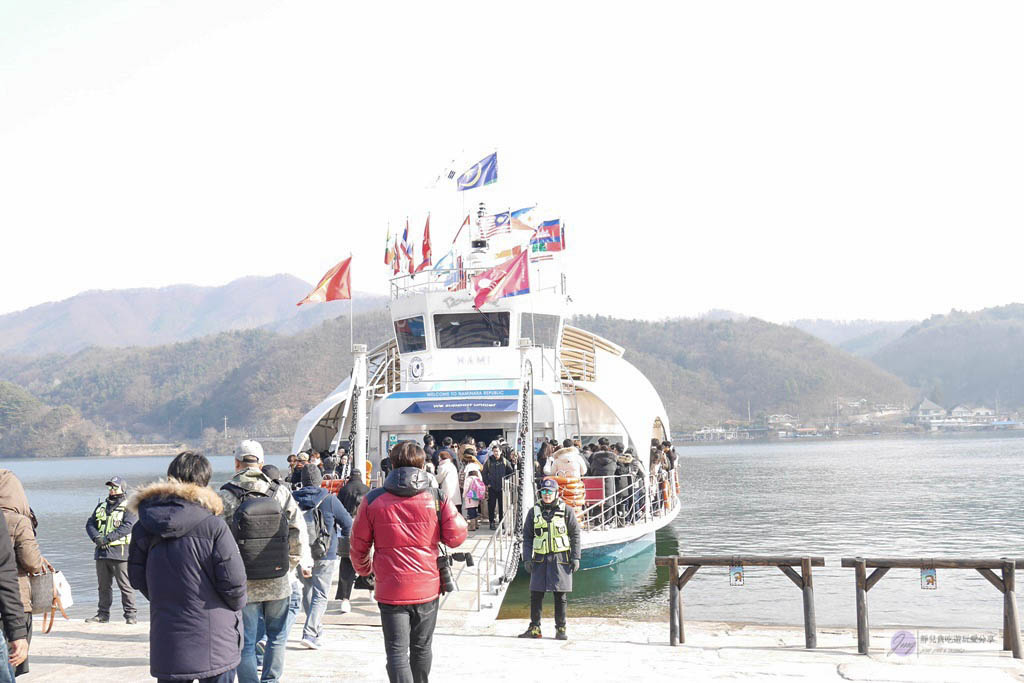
910 498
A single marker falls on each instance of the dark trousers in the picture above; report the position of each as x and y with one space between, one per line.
226 677
537 601
408 633
108 571
494 498
346 579
23 667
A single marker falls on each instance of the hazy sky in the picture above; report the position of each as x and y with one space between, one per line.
781 159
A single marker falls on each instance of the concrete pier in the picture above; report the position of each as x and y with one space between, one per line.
598 650
470 644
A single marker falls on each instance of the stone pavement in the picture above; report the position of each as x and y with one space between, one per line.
599 650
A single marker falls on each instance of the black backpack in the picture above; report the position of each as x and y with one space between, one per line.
260 528
319 532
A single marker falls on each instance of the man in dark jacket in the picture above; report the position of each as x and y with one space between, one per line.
110 528
13 640
311 497
551 554
496 468
350 495
403 523
184 559
430 451
603 464
628 487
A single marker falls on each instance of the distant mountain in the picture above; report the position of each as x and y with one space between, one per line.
963 357
708 370
859 337
263 382
150 317
252 377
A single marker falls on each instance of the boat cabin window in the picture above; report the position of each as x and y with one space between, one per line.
410 334
540 328
471 330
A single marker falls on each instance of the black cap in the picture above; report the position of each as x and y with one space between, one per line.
311 476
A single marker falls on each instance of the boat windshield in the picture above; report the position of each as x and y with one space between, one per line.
471 330
541 329
410 334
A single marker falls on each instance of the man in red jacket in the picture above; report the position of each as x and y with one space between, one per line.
400 520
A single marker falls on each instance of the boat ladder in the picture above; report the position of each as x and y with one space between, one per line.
570 404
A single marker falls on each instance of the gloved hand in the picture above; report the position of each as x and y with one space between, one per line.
528 566
100 541
575 565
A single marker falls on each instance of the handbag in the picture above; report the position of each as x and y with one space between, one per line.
60 598
43 591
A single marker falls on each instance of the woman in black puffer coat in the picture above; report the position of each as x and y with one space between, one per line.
186 562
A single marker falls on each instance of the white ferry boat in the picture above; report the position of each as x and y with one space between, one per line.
516 368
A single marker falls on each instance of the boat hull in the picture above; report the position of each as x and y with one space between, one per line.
605 555
604 548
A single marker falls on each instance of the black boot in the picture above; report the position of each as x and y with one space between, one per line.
531 632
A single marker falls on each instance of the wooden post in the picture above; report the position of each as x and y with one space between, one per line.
863 637
682 631
810 625
673 603
1010 607
1006 627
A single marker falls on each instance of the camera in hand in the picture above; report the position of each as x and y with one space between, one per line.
444 569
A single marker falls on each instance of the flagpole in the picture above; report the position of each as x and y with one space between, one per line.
351 312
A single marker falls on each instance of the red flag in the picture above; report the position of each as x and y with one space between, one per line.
425 249
510 278
334 285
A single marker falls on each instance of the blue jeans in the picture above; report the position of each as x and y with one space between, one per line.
294 603
275 614
6 670
314 598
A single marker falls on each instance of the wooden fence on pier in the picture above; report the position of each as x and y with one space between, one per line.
803 581
1005 584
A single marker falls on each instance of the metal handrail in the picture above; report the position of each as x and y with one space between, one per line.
500 545
406 284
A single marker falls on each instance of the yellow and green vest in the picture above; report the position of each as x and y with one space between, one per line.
107 524
550 537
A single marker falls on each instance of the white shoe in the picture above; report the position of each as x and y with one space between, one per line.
310 644
346 606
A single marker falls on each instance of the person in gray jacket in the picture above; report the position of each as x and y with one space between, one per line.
551 554
273 542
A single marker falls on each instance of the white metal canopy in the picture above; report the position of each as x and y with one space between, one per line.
319 426
631 396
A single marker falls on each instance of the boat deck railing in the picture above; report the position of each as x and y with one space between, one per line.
629 506
433 280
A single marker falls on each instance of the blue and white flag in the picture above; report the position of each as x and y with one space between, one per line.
484 172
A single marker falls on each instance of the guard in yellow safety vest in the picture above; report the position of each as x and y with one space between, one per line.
110 528
551 554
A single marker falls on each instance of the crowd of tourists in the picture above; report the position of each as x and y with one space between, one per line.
227 572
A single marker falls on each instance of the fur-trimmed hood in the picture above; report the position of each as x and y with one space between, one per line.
565 452
171 509
200 495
